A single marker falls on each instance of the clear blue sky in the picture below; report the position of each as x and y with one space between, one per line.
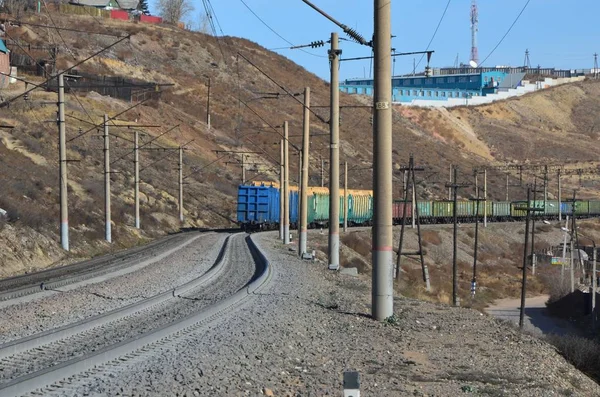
558 33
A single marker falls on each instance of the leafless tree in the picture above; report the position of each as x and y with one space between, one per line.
174 11
203 23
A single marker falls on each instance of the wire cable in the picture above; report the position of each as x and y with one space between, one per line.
277 34
507 32
435 32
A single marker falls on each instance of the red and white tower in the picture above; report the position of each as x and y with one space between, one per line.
474 31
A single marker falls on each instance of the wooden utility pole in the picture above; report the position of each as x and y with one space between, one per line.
524 277
559 196
410 172
477 199
62 146
334 156
454 186
107 220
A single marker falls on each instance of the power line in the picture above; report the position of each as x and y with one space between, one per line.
7 102
277 34
435 32
288 92
58 31
507 32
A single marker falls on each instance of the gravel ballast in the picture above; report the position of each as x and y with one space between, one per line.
67 307
299 334
234 276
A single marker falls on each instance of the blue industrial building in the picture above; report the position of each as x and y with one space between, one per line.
440 87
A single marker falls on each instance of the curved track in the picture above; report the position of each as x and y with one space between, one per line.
44 359
27 284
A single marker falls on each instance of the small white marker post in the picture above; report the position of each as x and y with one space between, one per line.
351 384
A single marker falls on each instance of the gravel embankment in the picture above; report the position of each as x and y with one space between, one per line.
236 273
67 307
298 335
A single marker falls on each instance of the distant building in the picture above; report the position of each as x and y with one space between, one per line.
4 65
108 4
439 87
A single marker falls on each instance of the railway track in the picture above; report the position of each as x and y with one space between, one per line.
123 262
57 360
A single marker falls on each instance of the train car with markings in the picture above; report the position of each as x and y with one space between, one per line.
258 208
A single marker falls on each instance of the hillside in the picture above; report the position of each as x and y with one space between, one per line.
547 126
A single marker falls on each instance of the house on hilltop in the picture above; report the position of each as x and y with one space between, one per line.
4 65
126 5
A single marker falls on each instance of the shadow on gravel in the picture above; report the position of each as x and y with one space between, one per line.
260 266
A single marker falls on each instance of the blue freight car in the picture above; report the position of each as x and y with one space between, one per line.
257 206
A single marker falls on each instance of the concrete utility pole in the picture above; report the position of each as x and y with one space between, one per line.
304 198
507 187
286 185
136 180
62 148
382 277
322 172
334 156
180 167
299 194
345 197
281 192
594 281
545 186
450 188
208 106
107 220
243 169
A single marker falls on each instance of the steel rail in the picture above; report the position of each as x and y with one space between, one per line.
62 374
53 335
19 286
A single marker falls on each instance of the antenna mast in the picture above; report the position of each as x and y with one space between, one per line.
474 31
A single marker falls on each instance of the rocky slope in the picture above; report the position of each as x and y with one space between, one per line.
243 112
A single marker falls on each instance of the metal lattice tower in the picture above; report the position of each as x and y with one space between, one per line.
474 31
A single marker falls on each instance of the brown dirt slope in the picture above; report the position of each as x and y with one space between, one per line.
163 54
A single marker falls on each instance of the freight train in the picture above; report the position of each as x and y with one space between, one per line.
258 208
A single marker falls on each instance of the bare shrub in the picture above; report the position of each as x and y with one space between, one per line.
431 237
583 353
359 244
557 286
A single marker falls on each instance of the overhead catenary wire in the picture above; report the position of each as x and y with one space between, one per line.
507 32
67 47
435 32
276 33
288 92
38 25
96 126
145 144
7 102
